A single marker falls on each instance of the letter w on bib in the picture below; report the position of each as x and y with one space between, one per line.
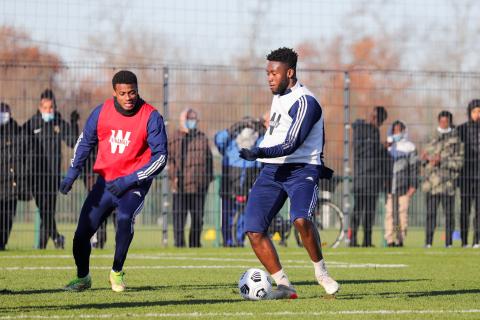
118 140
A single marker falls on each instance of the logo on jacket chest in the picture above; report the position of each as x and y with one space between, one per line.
274 122
119 141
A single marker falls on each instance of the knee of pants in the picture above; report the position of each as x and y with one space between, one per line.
124 219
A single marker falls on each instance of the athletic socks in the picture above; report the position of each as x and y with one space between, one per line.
281 278
320 269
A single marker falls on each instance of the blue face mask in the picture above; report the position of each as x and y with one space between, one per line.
4 117
397 137
191 124
46 116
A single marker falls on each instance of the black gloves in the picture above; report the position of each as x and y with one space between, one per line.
118 186
250 154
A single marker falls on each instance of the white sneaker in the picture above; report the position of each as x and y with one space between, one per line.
476 246
282 292
331 286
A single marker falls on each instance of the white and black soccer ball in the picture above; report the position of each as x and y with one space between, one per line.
254 284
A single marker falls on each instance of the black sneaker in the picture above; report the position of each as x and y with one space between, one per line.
59 242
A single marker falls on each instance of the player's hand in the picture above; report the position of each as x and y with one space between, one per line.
74 116
250 154
117 187
66 185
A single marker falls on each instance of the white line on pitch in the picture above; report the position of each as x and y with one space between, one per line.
341 266
241 314
186 258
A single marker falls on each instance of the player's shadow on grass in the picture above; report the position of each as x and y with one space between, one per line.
184 286
358 281
5 292
436 293
410 294
130 289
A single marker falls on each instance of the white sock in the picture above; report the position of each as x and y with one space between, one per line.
280 277
320 269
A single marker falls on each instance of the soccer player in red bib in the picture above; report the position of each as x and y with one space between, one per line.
132 150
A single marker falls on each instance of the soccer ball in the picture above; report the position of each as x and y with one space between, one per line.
254 284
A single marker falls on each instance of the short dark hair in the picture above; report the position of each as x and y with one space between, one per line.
398 123
4 107
446 114
125 77
47 94
381 113
285 55
475 103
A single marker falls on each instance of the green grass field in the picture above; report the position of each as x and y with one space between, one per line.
394 283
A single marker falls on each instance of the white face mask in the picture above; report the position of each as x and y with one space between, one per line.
443 131
4 117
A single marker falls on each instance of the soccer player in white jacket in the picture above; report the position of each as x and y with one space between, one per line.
292 153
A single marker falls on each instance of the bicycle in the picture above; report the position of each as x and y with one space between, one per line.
328 219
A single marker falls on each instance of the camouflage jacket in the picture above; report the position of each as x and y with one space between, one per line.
441 179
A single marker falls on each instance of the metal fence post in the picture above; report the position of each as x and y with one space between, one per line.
164 176
347 172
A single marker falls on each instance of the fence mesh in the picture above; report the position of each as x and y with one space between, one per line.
222 96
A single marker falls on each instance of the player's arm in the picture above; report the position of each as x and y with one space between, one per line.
157 142
87 140
305 113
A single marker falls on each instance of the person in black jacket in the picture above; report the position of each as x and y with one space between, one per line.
370 165
469 179
45 132
10 170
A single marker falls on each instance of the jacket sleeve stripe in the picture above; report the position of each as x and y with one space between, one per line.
75 149
153 167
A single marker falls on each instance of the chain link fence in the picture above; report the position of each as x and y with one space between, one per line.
221 97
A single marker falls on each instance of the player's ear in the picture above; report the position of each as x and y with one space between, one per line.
290 73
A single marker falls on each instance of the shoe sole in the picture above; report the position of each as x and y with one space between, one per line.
76 290
119 289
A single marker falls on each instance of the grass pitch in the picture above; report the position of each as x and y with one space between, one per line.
394 283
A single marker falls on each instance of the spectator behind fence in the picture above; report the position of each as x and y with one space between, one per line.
442 160
469 179
402 184
45 132
190 171
238 175
370 173
12 171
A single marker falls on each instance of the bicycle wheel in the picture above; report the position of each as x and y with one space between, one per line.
329 222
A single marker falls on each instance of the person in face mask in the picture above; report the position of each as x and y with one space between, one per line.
10 170
469 180
402 185
442 160
190 171
45 132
